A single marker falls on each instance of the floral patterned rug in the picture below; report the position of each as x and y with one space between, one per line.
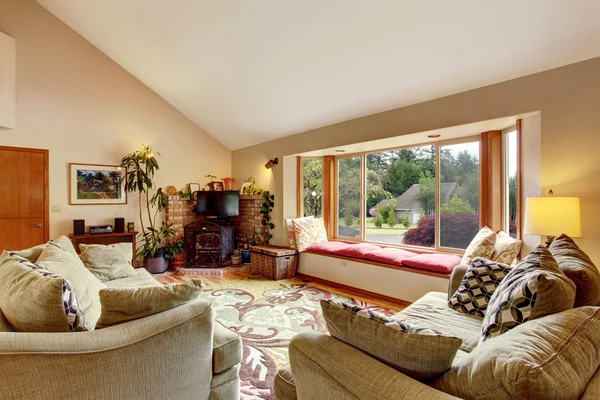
267 314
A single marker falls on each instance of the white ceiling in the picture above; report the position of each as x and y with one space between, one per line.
252 71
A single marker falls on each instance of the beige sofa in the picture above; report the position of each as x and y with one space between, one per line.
322 367
181 353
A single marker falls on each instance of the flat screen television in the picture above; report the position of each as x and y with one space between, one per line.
218 203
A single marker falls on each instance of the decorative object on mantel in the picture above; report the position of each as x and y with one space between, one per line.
130 226
208 185
217 186
246 188
97 184
171 190
228 183
142 165
552 216
271 163
194 187
8 91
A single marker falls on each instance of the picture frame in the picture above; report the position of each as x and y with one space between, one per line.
246 185
91 184
217 186
194 187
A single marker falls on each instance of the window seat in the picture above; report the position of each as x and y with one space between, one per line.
400 274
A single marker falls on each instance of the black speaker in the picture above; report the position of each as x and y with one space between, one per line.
119 224
79 227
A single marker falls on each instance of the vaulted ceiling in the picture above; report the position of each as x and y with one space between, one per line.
252 71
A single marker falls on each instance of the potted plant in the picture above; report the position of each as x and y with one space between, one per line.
174 252
141 166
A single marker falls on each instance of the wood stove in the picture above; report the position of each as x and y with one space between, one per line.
208 245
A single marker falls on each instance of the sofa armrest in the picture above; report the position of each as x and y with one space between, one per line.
326 368
458 273
166 355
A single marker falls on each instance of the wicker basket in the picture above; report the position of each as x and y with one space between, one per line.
274 262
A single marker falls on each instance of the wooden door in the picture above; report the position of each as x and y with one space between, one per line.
24 199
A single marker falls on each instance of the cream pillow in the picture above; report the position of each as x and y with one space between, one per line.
482 245
84 283
108 262
36 300
309 231
506 248
291 230
120 305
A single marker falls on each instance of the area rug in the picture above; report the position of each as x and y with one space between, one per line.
267 314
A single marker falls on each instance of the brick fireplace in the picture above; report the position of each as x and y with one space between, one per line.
180 213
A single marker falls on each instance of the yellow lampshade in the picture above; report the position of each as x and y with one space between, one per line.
552 216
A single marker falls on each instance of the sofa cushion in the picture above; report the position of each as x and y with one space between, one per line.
35 300
419 352
32 253
108 262
579 268
482 245
285 385
85 285
309 231
441 263
477 287
553 357
327 247
141 278
359 250
534 288
227 348
432 311
120 305
291 230
390 255
506 248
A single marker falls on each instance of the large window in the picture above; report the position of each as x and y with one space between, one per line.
312 187
348 201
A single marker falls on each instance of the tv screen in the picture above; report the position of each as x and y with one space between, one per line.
218 204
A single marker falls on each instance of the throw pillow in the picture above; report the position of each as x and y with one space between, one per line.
506 248
477 287
32 253
553 357
291 230
534 288
309 231
35 300
125 304
65 244
482 245
108 262
421 353
579 268
83 282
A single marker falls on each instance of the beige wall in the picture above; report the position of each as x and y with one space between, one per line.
84 108
569 101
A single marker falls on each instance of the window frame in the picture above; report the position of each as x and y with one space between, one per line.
505 197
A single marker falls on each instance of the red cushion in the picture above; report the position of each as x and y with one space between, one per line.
327 247
442 263
358 250
390 256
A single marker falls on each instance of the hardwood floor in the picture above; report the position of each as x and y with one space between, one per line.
372 298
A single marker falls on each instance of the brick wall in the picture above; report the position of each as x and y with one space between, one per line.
180 212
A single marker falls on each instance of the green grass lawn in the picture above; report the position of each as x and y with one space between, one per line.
397 230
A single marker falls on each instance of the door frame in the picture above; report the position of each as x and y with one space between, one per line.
46 155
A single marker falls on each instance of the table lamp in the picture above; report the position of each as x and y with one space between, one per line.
551 216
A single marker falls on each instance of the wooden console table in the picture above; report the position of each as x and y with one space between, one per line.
104 238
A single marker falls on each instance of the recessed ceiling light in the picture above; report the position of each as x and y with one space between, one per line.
340 151
435 135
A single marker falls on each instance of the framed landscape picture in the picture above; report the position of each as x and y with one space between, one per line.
97 184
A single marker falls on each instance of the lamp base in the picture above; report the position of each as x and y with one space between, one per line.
549 240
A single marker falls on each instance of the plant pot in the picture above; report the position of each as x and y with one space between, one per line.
157 264
236 260
178 261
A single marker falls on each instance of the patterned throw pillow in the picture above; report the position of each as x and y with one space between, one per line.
309 231
477 287
506 248
482 245
35 300
291 230
534 288
419 352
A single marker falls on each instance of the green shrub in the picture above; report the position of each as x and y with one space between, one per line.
405 221
349 219
391 221
378 221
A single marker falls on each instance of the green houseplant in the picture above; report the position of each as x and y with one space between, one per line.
174 252
141 166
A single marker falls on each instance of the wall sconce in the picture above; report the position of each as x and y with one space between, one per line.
272 162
